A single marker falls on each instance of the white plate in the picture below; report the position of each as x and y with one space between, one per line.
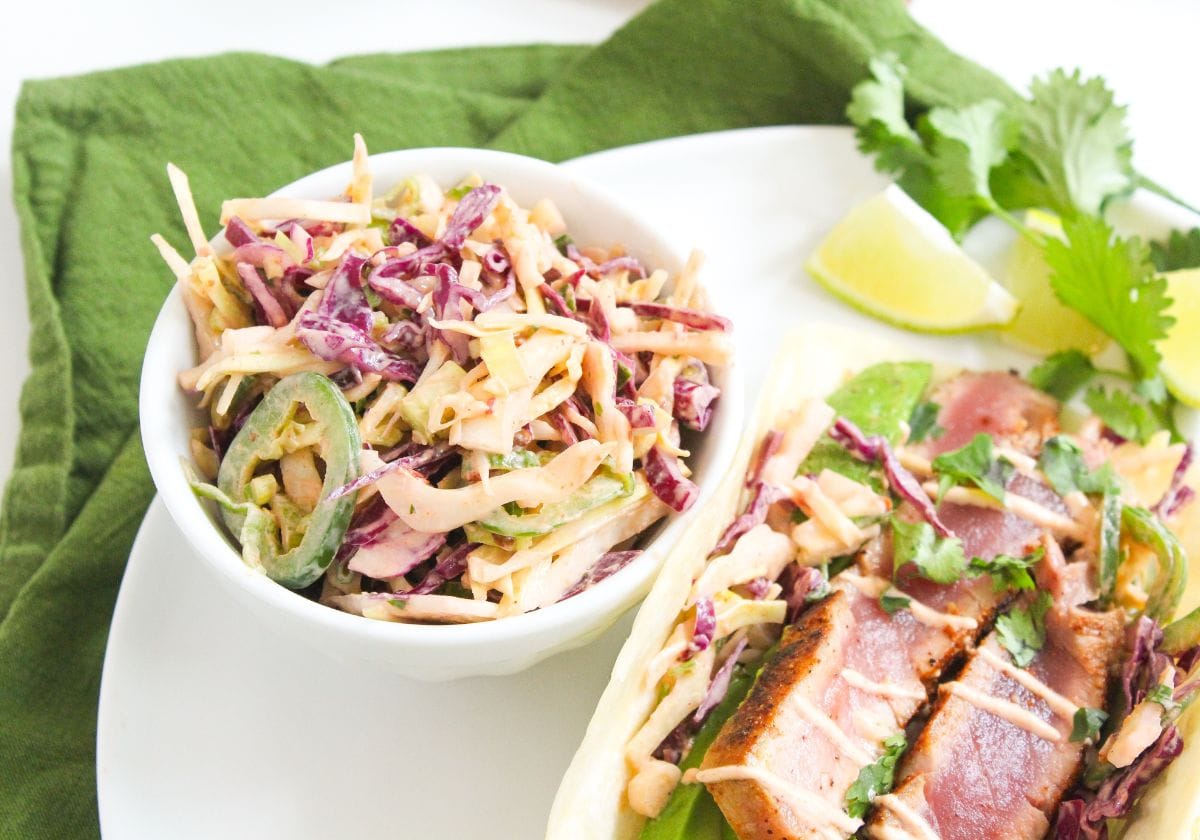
210 726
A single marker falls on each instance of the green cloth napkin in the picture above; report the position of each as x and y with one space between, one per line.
89 186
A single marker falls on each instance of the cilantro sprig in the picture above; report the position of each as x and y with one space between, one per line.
1022 630
876 779
975 463
1087 723
1066 148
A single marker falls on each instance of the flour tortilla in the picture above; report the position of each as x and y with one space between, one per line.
591 804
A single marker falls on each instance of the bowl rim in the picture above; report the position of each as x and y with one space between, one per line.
607 599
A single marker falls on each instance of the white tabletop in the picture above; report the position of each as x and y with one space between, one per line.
1145 49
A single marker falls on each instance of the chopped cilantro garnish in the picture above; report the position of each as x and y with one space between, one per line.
1022 630
923 422
938 559
1061 460
976 464
1122 413
892 604
875 779
1006 570
562 241
1164 696
1087 723
1063 374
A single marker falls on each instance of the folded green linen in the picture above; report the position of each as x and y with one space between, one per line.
89 186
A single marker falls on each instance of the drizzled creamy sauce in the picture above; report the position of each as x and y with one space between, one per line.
862 683
1058 704
914 825
1017 505
828 726
873 587
821 815
1006 710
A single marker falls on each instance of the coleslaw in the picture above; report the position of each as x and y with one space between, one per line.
431 405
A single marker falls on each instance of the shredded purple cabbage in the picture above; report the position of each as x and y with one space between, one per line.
387 280
639 416
605 567
758 587
470 213
719 687
876 448
693 318
450 567
694 403
340 328
1178 493
667 481
401 230
395 551
238 233
799 585
768 447
630 264
703 629
266 303
415 457
762 496
496 261
263 254
1085 819
1145 662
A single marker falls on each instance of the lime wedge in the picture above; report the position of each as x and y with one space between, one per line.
1181 348
1044 325
891 259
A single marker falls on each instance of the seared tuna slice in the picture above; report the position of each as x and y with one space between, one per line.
846 676
996 756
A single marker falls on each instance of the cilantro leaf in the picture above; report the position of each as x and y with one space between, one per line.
1123 414
875 779
1164 696
1111 281
1076 138
1087 723
968 144
877 109
1061 460
1006 570
938 559
1022 630
1063 374
1180 250
923 422
974 463
892 604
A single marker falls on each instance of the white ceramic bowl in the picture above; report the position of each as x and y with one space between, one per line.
428 652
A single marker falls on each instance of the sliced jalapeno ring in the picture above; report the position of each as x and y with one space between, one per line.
257 442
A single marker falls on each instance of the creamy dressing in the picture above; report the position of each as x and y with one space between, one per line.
914 824
1058 704
1018 505
876 586
1005 710
829 728
823 816
863 683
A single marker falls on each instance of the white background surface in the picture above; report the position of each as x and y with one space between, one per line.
1144 47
